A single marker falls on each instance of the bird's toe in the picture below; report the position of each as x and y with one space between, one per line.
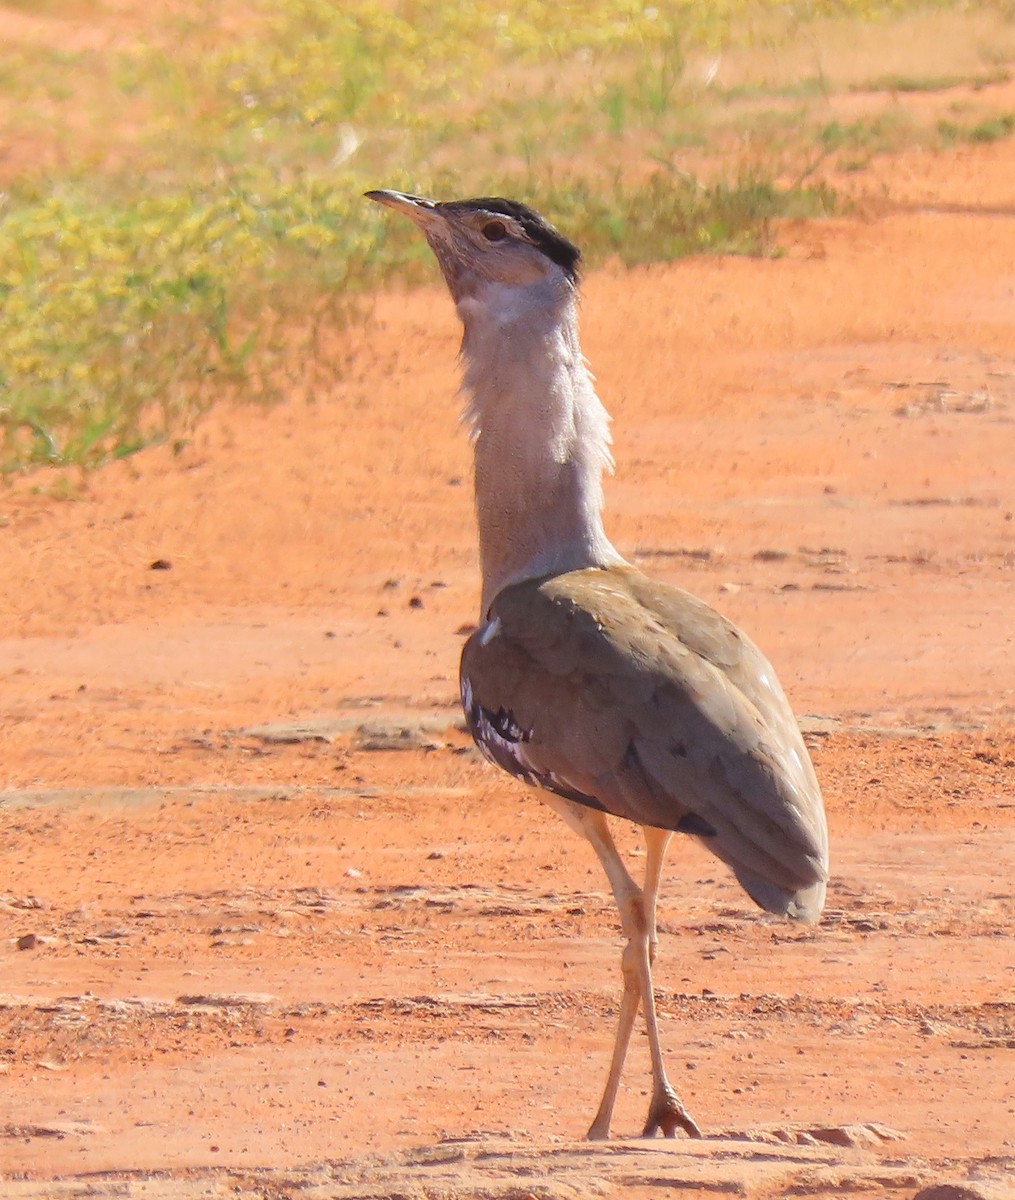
667 1113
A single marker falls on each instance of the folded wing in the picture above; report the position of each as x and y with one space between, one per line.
634 697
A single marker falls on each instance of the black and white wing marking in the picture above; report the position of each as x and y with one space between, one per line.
502 741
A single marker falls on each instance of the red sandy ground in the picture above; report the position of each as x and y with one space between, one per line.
244 955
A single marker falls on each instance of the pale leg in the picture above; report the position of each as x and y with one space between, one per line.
665 1111
599 1130
637 916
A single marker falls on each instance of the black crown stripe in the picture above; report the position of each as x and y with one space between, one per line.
551 241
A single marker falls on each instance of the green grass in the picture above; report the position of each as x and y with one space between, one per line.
197 230
934 83
988 129
857 141
670 216
120 321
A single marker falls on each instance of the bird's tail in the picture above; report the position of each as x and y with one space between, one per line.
805 904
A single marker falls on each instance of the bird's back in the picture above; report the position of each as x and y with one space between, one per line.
634 697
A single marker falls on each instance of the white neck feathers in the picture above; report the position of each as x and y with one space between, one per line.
541 434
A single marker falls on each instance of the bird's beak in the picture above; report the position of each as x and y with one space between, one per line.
420 211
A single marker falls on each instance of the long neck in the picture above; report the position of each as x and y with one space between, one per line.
541 437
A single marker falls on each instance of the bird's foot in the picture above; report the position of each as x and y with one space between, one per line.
667 1113
598 1131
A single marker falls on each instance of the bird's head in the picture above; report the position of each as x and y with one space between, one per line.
489 241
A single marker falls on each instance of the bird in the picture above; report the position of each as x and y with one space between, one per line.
615 694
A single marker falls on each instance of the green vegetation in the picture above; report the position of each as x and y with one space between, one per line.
934 83
185 220
990 129
121 320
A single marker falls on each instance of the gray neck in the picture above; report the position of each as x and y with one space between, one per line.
541 435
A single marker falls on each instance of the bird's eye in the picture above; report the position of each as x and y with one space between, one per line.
494 231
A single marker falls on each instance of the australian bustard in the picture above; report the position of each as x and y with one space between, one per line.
612 692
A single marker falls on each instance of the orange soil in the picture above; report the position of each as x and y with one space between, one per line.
821 445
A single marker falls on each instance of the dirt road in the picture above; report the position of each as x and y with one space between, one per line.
271 928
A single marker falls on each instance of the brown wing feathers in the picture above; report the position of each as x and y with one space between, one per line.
624 695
